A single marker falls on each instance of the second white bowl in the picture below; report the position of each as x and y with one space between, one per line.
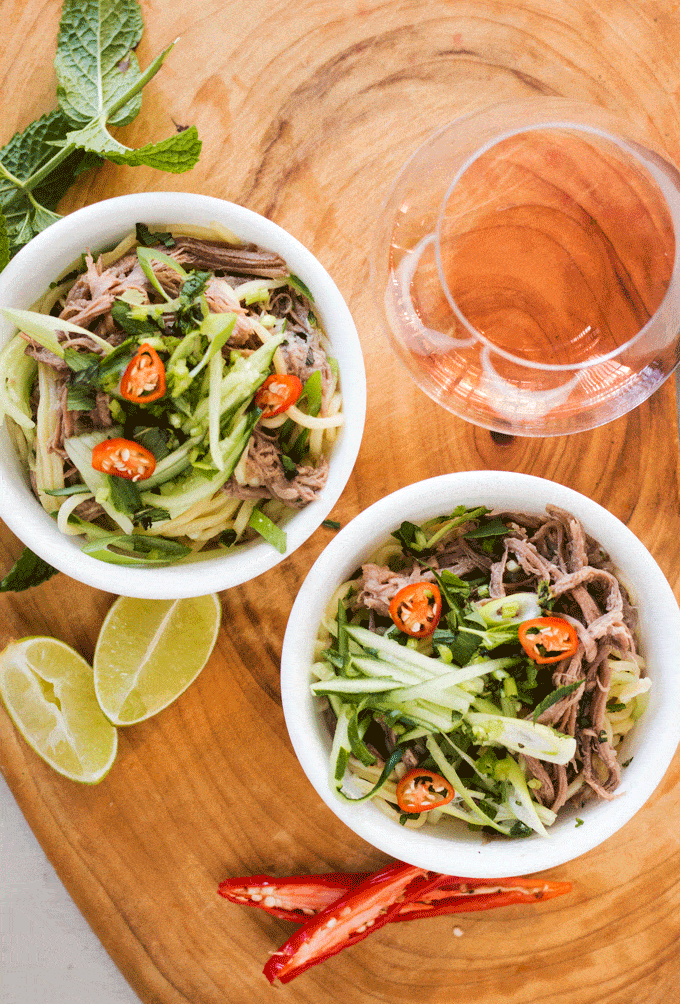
652 743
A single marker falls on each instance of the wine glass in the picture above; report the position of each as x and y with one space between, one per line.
528 270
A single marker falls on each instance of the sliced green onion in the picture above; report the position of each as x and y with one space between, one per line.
146 256
130 549
266 527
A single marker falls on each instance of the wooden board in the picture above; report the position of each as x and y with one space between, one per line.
307 111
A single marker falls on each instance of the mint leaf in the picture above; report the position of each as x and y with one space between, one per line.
100 83
97 69
176 154
27 201
28 570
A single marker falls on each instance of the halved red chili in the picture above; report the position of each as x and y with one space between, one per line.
277 393
144 378
420 790
298 897
360 912
416 609
548 639
124 458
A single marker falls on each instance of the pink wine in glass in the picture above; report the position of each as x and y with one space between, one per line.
532 290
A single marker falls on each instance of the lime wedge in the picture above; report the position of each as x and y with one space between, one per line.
149 651
48 691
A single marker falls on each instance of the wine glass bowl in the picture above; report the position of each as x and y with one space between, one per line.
527 267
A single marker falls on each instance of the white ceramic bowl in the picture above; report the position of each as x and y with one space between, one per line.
651 744
95 227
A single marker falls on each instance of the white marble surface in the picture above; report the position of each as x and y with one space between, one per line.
48 952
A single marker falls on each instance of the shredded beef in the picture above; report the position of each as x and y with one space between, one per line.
246 259
265 476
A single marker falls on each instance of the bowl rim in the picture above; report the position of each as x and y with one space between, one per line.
497 858
54 249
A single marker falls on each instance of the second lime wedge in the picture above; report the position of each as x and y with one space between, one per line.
48 691
149 651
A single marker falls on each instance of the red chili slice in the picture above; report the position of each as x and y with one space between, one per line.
354 916
295 897
548 639
420 790
144 378
462 895
124 458
277 393
416 609
298 897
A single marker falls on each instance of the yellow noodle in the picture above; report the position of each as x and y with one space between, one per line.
311 422
241 521
65 510
120 250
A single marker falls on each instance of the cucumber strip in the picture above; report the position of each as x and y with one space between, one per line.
353 685
49 467
215 370
339 750
376 667
418 713
394 759
448 681
519 801
452 697
146 256
216 328
17 372
355 734
172 465
522 736
268 529
138 550
196 487
242 380
43 328
392 650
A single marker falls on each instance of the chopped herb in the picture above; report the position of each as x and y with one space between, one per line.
405 816
298 284
150 514
152 438
579 822
79 489
125 495
520 829
148 239
289 467
554 697
80 399
331 524
493 528
614 705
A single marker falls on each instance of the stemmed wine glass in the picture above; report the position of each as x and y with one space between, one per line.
528 270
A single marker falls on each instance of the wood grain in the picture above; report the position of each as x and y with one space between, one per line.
307 110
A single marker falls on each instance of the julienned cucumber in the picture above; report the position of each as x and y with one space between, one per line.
178 498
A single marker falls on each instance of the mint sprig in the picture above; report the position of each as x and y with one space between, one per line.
99 86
